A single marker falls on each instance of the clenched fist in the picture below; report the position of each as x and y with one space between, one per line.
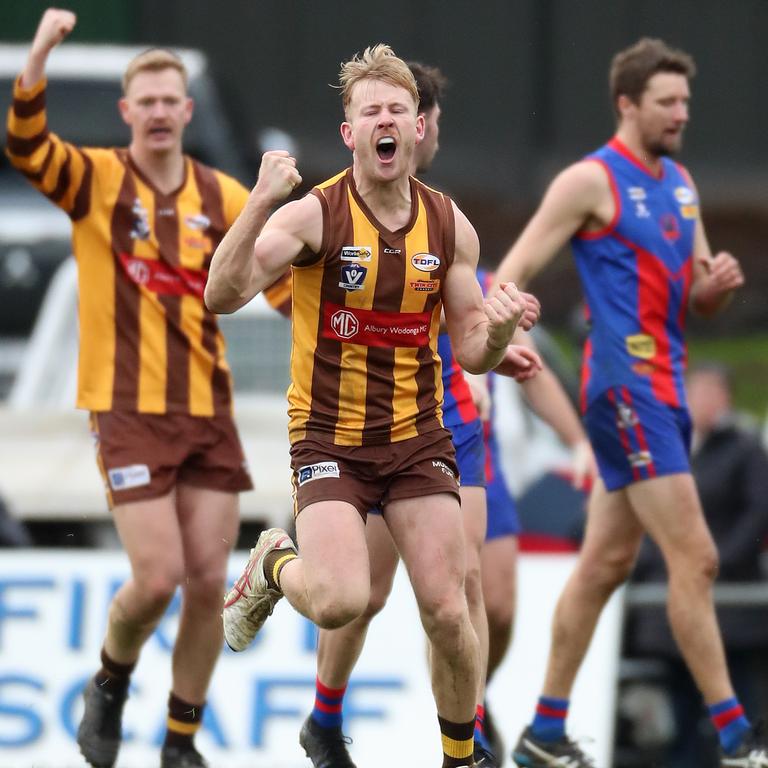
505 310
278 176
54 26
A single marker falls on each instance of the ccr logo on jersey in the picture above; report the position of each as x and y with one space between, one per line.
425 262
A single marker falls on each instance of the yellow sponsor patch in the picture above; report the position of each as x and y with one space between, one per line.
641 345
689 211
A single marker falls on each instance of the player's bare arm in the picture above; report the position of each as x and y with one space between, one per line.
54 26
715 278
578 198
258 248
480 330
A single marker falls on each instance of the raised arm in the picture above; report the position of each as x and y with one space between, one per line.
579 197
259 248
58 169
480 330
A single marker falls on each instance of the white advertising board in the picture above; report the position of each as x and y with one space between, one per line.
53 608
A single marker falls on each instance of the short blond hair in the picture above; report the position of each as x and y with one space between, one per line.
153 60
377 62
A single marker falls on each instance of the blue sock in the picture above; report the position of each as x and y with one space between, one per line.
549 721
731 723
327 711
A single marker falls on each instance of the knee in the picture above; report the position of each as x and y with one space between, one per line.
700 565
444 615
334 611
610 570
204 589
473 585
377 601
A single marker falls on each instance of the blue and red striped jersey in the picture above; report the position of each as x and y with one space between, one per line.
458 406
636 273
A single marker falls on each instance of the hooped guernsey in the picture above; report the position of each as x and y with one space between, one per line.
637 274
365 368
147 341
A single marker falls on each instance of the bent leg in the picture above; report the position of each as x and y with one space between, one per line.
670 510
339 649
611 542
330 582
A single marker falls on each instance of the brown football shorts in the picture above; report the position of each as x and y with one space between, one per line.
369 477
144 456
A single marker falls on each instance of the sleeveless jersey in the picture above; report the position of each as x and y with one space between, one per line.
147 341
366 316
458 406
637 274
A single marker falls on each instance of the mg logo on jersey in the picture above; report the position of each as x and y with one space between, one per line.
352 277
344 324
356 253
138 271
425 262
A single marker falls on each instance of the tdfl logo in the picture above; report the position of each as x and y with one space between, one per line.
344 324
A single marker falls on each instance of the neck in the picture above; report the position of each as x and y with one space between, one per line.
164 169
386 199
633 143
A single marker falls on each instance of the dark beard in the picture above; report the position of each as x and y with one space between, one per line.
660 150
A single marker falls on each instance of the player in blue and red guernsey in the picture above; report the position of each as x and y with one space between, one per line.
632 216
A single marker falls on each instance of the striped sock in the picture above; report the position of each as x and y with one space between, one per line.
184 721
274 562
549 721
731 723
458 742
329 702
480 737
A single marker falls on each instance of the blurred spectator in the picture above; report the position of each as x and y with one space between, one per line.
730 467
12 532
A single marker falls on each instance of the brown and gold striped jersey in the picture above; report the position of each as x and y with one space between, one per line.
366 316
147 342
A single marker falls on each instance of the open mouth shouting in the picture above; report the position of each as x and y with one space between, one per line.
386 148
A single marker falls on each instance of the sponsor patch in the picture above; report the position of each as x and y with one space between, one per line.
352 277
140 229
641 210
643 369
317 471
641 345
640 459
356 253
132 476
199 221
636 193
374 328
690 211
425 262
199 243
443 467
392 250
425 286
626 418
160 277
684 195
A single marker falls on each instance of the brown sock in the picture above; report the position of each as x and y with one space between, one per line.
458 742
274 562
113 674
184 721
